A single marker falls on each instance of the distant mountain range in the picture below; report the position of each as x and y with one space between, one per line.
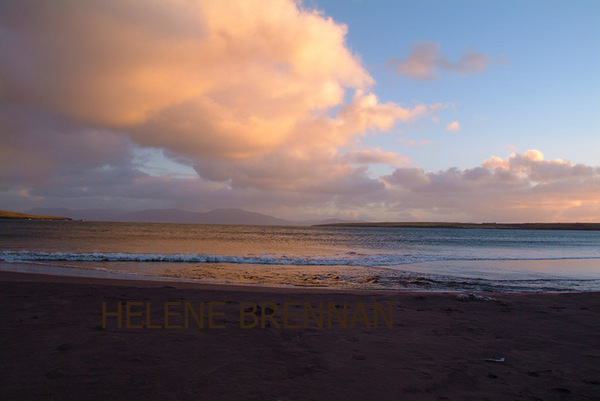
243 217
217 216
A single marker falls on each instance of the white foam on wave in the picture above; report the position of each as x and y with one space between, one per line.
343 260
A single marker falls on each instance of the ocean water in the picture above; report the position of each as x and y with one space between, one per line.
370 258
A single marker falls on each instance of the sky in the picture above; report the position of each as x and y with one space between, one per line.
472 111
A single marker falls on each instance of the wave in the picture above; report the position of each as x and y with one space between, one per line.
350 259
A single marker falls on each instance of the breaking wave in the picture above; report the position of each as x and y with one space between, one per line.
350 259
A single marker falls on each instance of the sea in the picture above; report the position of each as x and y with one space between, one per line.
399 259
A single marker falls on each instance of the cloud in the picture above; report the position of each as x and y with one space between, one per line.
230 87
38 149
453 126
426 60
522 187
422 142
263 99
374 156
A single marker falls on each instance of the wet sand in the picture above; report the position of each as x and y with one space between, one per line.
439 347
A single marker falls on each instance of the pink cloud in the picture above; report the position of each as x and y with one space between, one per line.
522 187
422 142
453 126
230 87
254 96
374 156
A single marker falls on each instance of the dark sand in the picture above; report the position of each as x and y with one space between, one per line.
53 346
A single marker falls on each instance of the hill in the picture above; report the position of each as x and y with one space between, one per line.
217 216
497 226
12 215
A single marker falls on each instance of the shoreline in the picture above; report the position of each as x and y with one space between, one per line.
484 276
158 282
438 346
86 276
141 281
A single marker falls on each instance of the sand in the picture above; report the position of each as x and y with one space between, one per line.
53 344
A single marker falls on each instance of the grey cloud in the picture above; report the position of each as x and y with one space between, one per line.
36 145
408 177
426 60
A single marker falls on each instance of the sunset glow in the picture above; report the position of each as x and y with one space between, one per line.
301 110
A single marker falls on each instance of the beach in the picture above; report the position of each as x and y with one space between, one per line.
61 340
